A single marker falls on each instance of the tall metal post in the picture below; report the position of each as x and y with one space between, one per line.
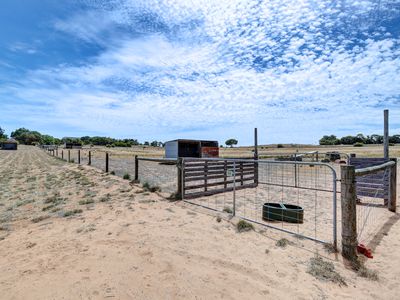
90 158
386 134
79 156
255 144
255 156
106 162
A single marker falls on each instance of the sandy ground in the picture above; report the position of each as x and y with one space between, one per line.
127 243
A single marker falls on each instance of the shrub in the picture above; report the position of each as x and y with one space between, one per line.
282 243
39 219
72 212
227 210
279 146
84 202
105 198
112 172
127 176
358 144
367 273
152 189
175 196
243 226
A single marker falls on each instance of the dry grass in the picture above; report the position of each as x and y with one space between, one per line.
325 270
243 226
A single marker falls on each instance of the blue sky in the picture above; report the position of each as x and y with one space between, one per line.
153 69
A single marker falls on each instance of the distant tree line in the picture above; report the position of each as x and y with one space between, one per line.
28 137
357 139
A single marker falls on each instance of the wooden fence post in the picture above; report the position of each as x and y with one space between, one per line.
180 168
136 168
393 188
69 155
79 156
349 210
90 158
106 162
62 154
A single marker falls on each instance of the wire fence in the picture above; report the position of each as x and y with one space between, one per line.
373 195
295 197
159 174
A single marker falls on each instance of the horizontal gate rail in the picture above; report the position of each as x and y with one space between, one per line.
214 176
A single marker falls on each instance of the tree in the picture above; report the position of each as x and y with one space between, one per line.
3 136
395 139
27 137
360 138
348 140
48 140
231 142
329 140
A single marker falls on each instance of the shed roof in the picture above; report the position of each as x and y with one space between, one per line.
191 141
10 141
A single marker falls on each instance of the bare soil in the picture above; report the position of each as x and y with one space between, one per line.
74 232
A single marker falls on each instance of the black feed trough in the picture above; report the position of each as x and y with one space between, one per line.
283 212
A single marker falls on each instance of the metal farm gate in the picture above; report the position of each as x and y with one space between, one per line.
242 187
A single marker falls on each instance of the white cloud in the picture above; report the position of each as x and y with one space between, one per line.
296 70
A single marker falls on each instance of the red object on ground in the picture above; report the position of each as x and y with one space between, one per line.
364 250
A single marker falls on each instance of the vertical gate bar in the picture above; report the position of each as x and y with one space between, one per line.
225 174
295 169
205 175
234 188
183 178
334 209
241 172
